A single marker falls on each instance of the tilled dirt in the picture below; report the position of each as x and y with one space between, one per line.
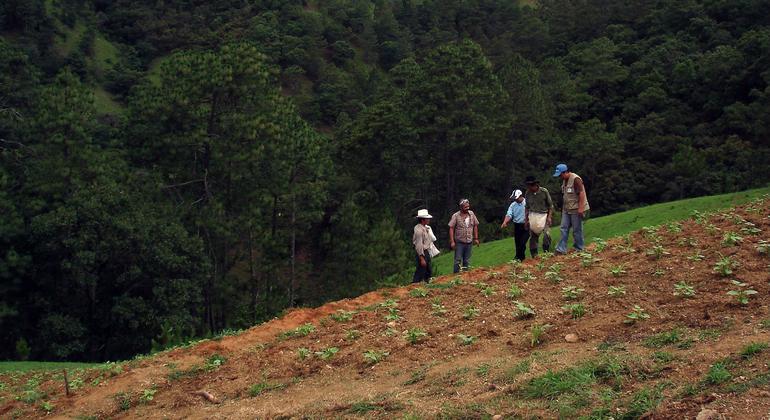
441 375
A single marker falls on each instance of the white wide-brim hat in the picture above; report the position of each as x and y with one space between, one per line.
423 214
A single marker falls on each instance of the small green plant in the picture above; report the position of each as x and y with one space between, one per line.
725 266
483 369
466 340
618 270
262 387
303 353
353 334
571 292
674 227
526 276
697 256
343 315
123 400
418 292
752 349
456 281
698 216
301 331
587 259
742 294
415 335
650 232
553 276
731 239
523 310
658 272
514 291
637 314
488 291
599 244
657 252
327 353
764 324
46 406
684 290
389 304
751 229
763 247
373 357
664 339
214 362
536 333
577 310
469 312
438 309
711 229
148 395
392 315
616 291
718 373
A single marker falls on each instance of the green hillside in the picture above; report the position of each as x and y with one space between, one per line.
498 252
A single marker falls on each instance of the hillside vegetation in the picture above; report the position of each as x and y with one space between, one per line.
172 170
661 323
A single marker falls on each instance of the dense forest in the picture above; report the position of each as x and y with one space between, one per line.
175 169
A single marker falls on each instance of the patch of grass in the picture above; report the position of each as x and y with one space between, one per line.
764 324
663 339
752 349
553 384
520 368
123 400
576 310
663 357
536 333
718 373
483 369
644 401
263 387
42 366
416 376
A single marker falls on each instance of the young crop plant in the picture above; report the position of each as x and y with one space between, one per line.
469 312
674 227
536 333
684 290
466 340
262 387
587 259
389 304
763 247
438 309
658 272
418 292
415 335
488 291
342 315
725 266
301 331
576 310
711 229
553 276
495 275
526 276
651 232
148 394
392 315
616 291
599 244
327 353
571 292
750 229
373 357
752 349
618 270
514 291
731 239
697 256
718 373
637 314
698 217
353 334
657 252
742 294
523 310
303 353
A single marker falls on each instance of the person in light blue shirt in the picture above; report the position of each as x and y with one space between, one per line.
516 214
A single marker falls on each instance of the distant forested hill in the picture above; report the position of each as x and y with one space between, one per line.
171 169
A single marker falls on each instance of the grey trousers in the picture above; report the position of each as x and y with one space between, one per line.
463 253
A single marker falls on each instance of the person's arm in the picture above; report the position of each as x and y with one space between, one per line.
418 244
578 185
476 230
508 216
452 232
549 201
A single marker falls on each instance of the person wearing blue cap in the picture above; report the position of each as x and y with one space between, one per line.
574 206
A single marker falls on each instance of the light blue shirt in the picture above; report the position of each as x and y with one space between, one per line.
516 211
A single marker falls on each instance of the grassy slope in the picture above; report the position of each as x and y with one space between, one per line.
499 252
30 366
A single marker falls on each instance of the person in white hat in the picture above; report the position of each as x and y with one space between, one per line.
516 213
423 243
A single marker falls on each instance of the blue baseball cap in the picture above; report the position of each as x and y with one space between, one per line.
560 169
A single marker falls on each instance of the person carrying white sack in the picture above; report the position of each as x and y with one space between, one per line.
538 215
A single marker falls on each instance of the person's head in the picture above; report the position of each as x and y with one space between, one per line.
532 183
517 196
561 171
423 217
465 205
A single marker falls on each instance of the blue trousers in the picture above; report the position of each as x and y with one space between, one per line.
463 253
576 223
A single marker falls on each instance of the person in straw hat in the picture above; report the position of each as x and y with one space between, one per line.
422 240
538 215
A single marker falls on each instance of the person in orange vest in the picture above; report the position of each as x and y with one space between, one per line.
574 206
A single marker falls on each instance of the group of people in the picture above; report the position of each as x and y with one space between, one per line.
531 212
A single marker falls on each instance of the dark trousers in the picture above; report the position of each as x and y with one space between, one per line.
422 273
534 238
463 253
520 236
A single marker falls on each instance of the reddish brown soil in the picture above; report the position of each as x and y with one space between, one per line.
439 375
